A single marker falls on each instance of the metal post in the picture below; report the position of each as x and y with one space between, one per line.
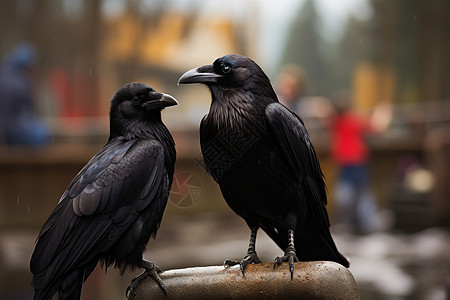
312 280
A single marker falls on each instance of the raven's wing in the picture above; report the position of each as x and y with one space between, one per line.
298 150
300 154
106 195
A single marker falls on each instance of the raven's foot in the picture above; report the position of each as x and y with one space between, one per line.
250 258
289 256
151 270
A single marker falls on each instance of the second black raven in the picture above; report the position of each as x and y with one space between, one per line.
115 203
262 157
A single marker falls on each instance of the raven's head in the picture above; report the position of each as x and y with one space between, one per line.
136 103
231 71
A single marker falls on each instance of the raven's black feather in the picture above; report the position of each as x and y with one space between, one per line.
263 159
114 204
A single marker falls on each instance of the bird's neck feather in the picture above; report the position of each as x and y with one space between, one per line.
231 109
139 128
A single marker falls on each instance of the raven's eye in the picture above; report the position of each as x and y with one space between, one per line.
136 100
226 69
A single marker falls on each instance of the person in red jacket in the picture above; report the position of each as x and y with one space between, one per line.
350 152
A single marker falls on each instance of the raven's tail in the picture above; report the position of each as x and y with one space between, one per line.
318 246
68 289
43 291
42 294
71 286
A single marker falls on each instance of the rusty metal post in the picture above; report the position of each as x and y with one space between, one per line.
312 280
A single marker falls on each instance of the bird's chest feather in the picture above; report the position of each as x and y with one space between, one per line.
243 155
226 141
246 165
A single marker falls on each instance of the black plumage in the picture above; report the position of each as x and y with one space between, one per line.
114 204
261 155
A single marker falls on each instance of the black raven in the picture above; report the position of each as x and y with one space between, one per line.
114 204
262 157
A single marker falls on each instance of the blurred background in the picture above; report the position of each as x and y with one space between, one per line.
370 78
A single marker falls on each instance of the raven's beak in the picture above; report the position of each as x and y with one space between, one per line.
165 101
203 74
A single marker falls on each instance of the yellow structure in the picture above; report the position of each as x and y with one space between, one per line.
371 84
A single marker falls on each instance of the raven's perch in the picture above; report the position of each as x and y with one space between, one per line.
262 157
114 204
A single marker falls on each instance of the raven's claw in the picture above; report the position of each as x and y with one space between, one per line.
290 257
151 270
248 259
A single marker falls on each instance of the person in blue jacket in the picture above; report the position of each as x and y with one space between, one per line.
18 123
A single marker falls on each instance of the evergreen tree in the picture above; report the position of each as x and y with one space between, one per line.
305 47
351 48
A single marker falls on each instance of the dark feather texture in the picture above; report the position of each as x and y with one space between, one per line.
262 157
114 204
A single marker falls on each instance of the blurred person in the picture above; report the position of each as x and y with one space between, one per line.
18 123
291 86
349 150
